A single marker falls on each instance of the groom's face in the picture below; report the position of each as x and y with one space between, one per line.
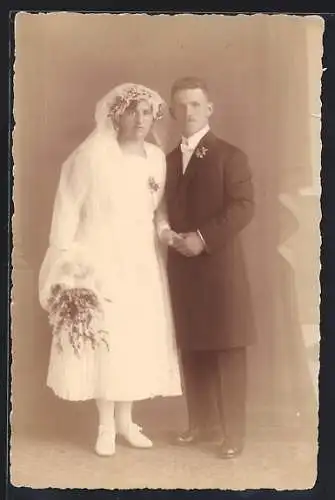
191 109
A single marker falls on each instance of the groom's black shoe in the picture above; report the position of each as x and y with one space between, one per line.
189 437
198 435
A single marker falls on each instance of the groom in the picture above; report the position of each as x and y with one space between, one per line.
209 198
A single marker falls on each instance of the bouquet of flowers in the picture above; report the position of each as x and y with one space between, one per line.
76 312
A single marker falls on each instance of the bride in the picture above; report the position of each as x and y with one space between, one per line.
103 279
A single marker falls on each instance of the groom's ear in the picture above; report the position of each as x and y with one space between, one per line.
171 112
210 108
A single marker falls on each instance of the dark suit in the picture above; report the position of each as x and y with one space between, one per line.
210 292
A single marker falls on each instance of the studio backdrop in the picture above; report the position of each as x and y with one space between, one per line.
264 80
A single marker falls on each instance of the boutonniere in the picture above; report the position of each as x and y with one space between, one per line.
153 185
201 152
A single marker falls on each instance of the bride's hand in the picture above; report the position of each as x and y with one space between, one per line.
168 237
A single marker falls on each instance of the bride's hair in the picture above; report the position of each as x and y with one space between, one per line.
115 116
117 101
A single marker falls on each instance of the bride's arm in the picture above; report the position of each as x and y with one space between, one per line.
71 190
163 228
67 208
161 218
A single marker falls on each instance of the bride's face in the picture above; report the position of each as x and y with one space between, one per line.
136 121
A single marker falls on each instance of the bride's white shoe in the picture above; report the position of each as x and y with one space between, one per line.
105 445
133 434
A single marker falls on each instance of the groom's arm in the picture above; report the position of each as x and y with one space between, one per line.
239 210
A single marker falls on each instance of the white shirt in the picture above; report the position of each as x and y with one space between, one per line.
189 144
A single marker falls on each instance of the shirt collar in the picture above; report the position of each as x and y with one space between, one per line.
194 139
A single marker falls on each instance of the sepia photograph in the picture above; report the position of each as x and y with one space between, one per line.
166 251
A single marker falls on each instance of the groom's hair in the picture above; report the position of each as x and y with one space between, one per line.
189 82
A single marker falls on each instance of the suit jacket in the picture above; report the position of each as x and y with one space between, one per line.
210 293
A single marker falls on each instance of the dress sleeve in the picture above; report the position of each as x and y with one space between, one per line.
161 217
69 198
60 255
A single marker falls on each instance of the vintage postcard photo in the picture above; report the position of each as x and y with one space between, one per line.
165 301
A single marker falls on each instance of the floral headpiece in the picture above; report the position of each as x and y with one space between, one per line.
114 104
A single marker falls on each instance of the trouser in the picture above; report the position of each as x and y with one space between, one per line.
215 390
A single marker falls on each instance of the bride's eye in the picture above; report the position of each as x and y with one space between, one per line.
130 111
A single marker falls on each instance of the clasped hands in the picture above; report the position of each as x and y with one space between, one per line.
187 244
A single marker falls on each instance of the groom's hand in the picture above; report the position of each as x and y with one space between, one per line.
190 244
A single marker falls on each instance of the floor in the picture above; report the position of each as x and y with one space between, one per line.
60 454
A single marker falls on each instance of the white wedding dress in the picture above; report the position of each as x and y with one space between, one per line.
104 222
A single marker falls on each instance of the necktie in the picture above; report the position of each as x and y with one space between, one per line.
185 148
